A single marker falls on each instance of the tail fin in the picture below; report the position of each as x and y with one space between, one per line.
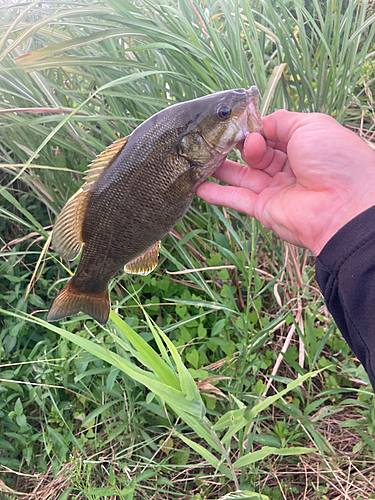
71 301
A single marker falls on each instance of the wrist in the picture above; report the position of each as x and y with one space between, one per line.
336 223
354 235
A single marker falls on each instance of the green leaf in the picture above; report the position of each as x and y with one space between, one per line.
118 81
193 358
65 494
206 455
149 357
187 382
244 495
241 419
23 210
264 452
98 411
57 440
175 398
18 408
101 492
181 457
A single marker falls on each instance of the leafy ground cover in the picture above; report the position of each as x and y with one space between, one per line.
221 371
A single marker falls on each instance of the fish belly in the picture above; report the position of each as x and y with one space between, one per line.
115 242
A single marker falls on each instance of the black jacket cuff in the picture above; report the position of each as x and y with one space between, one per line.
345 271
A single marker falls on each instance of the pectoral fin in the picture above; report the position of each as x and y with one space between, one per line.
144 263
183 186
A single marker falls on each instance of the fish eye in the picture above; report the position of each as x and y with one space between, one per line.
224 112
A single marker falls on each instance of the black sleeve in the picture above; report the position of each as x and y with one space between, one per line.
345 271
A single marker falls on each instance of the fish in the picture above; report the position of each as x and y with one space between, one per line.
137 190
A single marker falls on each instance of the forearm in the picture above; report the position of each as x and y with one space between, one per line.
345 271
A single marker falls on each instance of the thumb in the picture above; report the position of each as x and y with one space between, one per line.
281 125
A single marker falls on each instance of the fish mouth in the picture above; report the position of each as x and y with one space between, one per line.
253 118
247 122
250 119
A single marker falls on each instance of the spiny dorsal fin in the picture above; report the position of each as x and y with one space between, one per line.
144 263
103 161
67 232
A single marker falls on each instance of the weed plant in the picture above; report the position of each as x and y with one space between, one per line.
221 374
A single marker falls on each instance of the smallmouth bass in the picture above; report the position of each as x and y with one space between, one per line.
139 188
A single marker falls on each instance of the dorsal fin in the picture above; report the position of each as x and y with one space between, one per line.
67 232
102 162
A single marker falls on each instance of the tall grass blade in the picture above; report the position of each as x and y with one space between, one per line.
265 451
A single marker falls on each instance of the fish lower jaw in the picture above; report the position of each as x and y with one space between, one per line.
253 118
250 122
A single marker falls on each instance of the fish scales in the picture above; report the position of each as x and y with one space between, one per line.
146 185
122 233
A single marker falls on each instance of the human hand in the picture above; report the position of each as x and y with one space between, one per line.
306 181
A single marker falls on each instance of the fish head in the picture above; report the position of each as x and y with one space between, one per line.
220 121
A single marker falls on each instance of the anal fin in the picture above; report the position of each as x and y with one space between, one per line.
144 263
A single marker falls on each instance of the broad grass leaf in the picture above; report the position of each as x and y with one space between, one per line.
230 418
122 80
228 226
13 218
98 411
175 398
150 357
235 423
18 19
185 321
197 278
244 495
271 87
57 441
206 455
203 430
102 492
265 451
188 385
27 61
189 236
11 199
34 27
65 495
215 306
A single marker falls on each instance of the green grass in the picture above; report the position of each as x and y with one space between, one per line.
229 378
